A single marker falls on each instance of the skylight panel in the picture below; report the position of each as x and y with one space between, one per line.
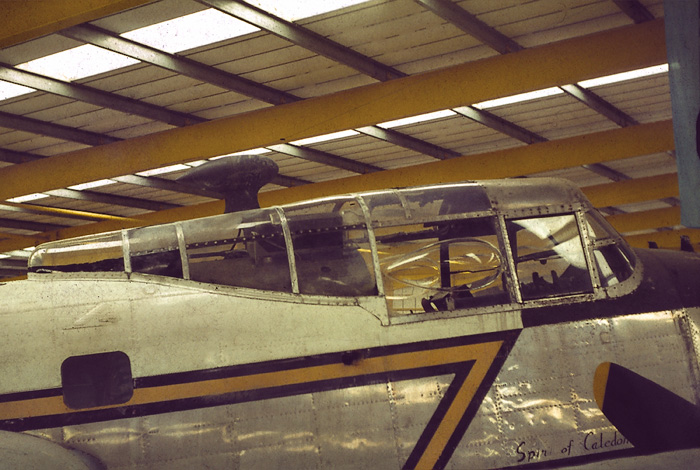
532 95
190 31
164 170
293 11
417 119
10 90
16 254
91 184
621 77
27 198
79 62
325 137
257 151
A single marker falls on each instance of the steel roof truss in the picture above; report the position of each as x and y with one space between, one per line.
107 40
36 126
93 96
304 38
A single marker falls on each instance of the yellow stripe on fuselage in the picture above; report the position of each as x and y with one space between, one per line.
482 355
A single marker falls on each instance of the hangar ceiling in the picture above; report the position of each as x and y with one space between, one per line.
103 107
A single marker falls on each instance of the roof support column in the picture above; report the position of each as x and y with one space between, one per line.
682 44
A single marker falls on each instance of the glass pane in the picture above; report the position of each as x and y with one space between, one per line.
92 253
422 204
549 257
331 249
441 266
243 249
614 260
154 250
96 380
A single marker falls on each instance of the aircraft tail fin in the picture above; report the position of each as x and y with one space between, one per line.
650 416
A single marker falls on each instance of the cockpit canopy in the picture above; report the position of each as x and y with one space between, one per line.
430 248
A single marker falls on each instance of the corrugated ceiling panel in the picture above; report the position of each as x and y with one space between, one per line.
374 152
648 165
56 148
143 192
554 117
127 80
148 127
65 111
546 21
31 103
336 23
644 206
492 144
403 35
226 105
159 85
312 171
646 100
578 175
176 96
335 84
231 55
149 14
103 121
460 134
26 142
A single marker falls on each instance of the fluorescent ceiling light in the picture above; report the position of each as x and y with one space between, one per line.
10 90
28 197
621 77
532 95
293 11
190 31
164 170
79 62
325 137
417 119
91 184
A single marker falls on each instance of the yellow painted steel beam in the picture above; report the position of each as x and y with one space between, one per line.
153 218
9 236
610 145
60 212
668 239
645 220
634 190
599 147
549 65
28 19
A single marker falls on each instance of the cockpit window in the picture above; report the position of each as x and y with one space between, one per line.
549 256
155 250
332 254
447 265
93 253
613 260
426 249
245 249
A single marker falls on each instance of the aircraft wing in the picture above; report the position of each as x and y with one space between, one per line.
19 450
